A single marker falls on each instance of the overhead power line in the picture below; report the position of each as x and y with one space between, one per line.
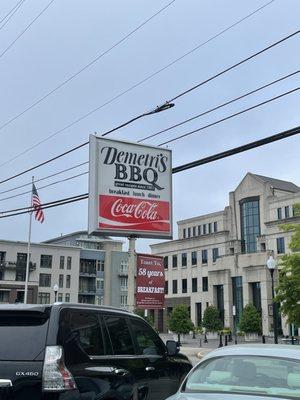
148 77
83 68
230 116
10 11
11 14
193 164
219 106
26 29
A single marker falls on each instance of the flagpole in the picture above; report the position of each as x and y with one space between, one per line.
28 247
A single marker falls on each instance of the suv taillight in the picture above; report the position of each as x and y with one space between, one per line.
56 376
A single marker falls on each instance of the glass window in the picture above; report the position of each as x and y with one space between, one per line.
194 231
119 335
44 298
61 281
287 211
67 297
279 213
215 227
204 229
2 257
199 230
100 265
194 285
256 295
183 259
46 261
166 262
174 261
124 300
204 257
21 259
174 284
250 224
184 233
21 274
124 267
209 228
280 245
123 283
45 280
62 262
215 254
60 297
205 284
184 285
237 298
68 281
194 258
4 296
188 232
69 262
166 287
148 342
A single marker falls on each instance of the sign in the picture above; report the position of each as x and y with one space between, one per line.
130 189
150 282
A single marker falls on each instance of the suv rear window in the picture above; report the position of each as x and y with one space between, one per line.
22 335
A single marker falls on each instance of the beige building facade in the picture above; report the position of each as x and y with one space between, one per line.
220 258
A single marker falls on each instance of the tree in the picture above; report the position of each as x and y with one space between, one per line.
250 320
149 318
211 319
179 321
288 289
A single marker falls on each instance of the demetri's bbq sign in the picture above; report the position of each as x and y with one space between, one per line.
130 189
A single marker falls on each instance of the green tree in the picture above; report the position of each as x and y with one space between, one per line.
288 289
250 320
179 321
211 319
148 319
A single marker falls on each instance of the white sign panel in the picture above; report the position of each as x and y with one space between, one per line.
130 189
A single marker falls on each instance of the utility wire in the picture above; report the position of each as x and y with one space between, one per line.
83 68
55 133
44 178
219 106
230 116
193 164
26 29
12 13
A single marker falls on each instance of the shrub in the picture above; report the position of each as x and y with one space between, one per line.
251 320
179 320
211 319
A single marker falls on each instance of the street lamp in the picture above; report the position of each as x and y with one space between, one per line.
271 264
55 288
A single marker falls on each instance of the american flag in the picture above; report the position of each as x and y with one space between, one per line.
36 204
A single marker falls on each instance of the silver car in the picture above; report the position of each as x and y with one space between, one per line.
253 372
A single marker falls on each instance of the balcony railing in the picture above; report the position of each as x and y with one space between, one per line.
16 264
88 274
123 272
88 291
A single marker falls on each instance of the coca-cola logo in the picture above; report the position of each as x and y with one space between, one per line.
142 210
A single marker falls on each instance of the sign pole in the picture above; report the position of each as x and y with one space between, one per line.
131 274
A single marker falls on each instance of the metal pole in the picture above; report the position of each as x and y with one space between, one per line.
28 251
275 315
131 274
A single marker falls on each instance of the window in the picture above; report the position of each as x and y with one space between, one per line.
119 335
123 283
166 262
287 211
21 274
100 265
184 285
256 295
199 230
215 254
183 260
204 229
69 262
45 280
68 281
204 256
46 261
100 283
194 285
209 228
205 284
280 245
124 300
21 259
194 231
62 262
237 298
2 276
61 281
279 213
194 258
124 267
67 297
148 342
166 287
250 224
44 298
174 284
189 232
4 296
215 227
174 261
60 297
184 233
2 257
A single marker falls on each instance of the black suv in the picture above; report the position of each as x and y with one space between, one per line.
79 352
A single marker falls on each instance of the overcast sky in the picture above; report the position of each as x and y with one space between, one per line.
71 33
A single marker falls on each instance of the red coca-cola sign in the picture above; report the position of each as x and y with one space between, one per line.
129 213
130 189
150 282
